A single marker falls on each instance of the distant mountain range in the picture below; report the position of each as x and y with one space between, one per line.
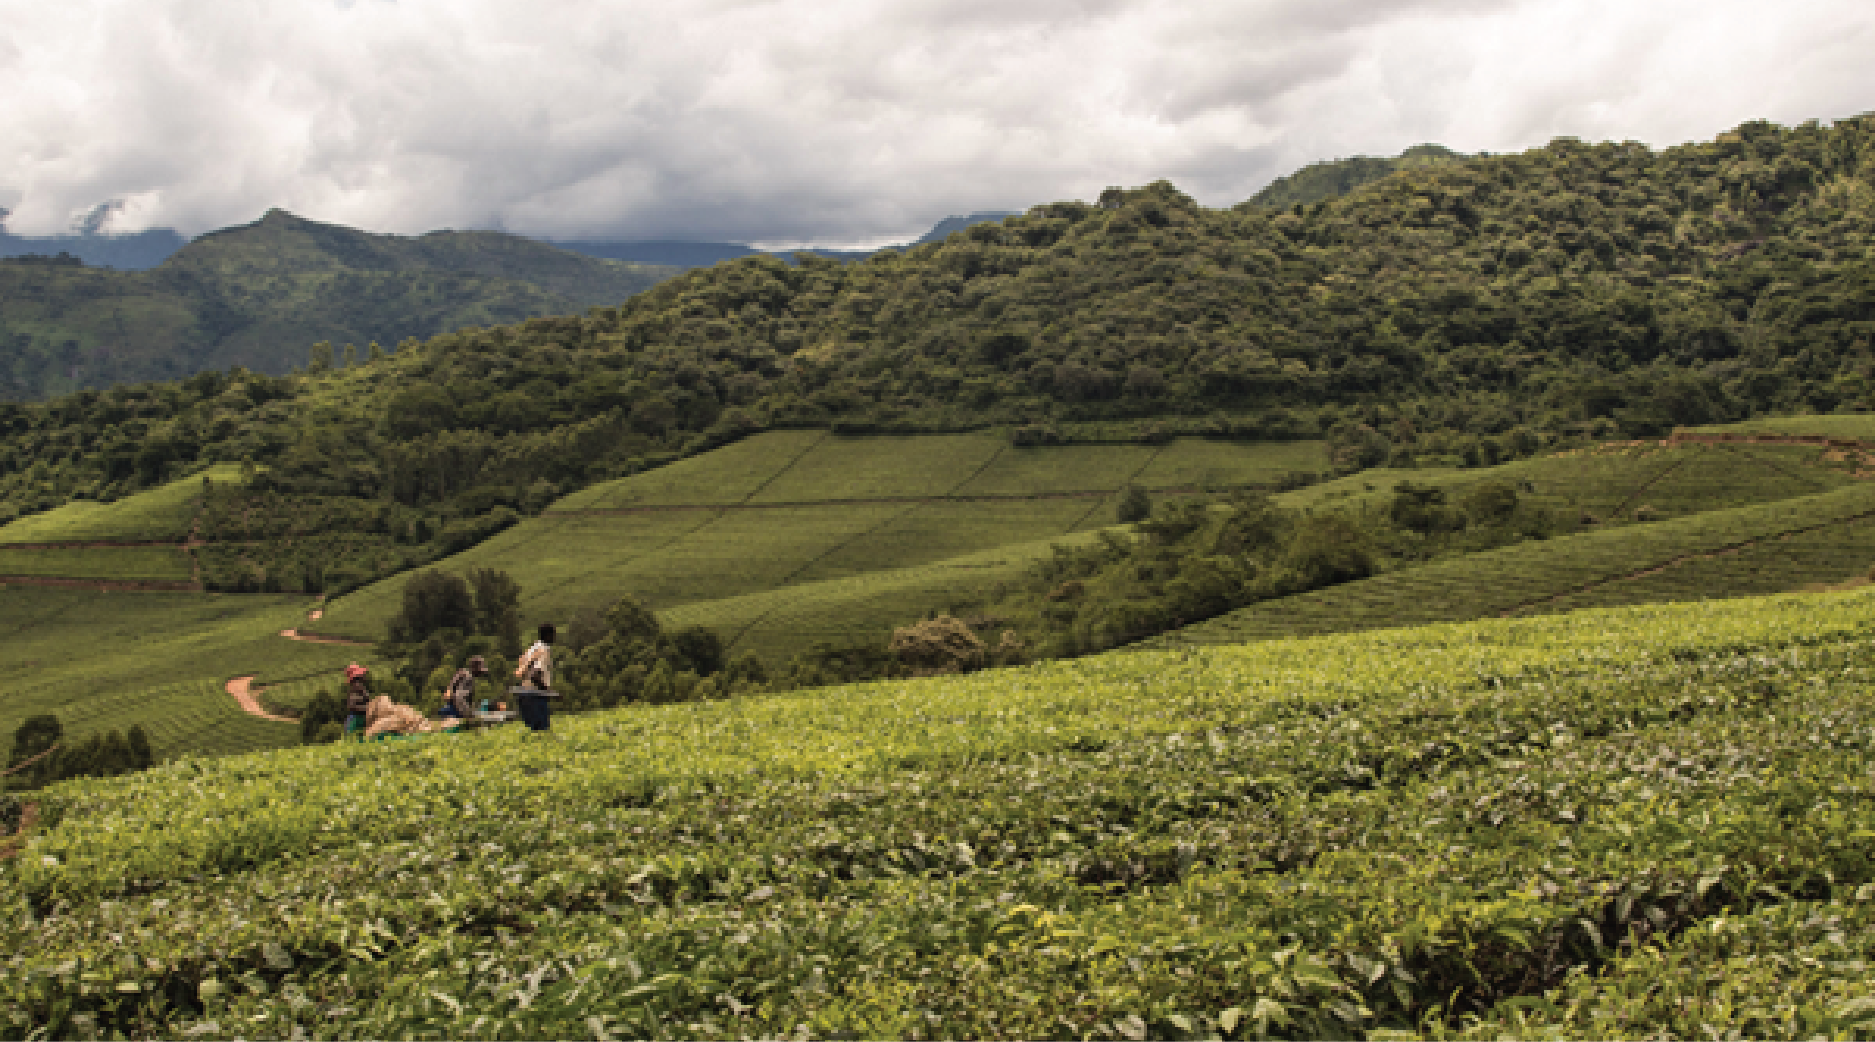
91 309
262 294
684 254
143 250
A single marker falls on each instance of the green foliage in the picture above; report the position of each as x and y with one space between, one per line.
1133 506
783 510
104 660
634 659
1459 312
1319 182
1746 550
41 755
1627 822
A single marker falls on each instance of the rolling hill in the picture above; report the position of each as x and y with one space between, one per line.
259 296
787 540
1514 318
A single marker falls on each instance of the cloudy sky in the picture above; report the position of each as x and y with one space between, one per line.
838 121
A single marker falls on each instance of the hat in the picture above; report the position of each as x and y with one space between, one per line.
354 671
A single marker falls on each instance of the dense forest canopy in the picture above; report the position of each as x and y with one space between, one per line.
1468 309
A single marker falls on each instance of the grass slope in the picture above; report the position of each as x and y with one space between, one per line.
1585 569
800 507
860 608
108 659
1619 823
161 514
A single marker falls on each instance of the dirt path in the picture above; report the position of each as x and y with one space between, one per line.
293 634
242 688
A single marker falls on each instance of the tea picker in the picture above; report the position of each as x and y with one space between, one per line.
535 693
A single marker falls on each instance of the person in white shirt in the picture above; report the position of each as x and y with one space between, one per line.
535 672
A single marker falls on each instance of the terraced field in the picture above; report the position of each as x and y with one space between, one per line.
796 508
159 515
137 541
797 537
118 564
1775 546
778 623
104 659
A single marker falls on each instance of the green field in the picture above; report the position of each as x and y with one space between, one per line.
1611 483
1837 425
793 538
128 564
104 659
1589 568
1625 823
794 508
862 608
161 514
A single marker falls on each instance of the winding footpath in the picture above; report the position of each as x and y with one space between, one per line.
242 688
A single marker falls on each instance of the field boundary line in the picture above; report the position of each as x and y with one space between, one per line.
1673 562
776 476
1641 489
1001 447
133 585
94 544
788 580
893 501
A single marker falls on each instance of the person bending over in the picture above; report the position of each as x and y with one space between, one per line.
459 697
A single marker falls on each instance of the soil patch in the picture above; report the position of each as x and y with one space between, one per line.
242 688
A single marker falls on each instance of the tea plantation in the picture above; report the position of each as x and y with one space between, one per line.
1617 823
788 508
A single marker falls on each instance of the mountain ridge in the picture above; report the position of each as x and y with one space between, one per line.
261 295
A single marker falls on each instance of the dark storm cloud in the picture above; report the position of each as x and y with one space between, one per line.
853 120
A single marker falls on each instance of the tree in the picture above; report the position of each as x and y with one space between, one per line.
433 601
700 648
1134 506
497 607
38 733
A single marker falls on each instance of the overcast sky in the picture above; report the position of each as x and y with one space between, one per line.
838 121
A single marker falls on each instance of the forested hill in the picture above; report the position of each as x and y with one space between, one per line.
260 295
1319 181
1474 309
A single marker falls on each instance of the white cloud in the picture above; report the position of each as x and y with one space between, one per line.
837 119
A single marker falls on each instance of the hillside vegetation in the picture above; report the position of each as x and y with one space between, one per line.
789 508
807 549
262 295
1622 823
1460 312
1320 181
